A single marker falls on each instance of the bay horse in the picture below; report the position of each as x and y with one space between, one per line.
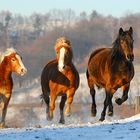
60 78
112 68
10 61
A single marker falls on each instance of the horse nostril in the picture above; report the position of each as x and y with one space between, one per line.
63 66
130 57
23 70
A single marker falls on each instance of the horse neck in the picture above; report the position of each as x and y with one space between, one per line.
69 58
5 72
116 54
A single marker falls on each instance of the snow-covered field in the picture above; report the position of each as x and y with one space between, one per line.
25 113
127 129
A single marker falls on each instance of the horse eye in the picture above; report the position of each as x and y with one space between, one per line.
13 59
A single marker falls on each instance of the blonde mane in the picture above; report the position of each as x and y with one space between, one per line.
62 42
6 53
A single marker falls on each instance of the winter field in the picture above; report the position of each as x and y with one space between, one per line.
126 129
26 118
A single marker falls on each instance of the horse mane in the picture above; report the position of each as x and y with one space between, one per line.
62 42
6 53
115 49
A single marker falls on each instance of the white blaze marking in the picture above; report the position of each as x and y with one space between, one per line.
21 64
61 59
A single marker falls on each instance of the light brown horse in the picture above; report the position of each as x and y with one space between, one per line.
10 62
60 78
112 68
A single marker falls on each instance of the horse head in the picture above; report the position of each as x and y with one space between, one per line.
126 43
63 53
12 60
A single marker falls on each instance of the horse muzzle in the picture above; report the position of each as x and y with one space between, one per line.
130 57
23 71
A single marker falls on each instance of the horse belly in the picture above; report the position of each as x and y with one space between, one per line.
97 75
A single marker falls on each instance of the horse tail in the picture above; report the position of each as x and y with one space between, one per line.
44 98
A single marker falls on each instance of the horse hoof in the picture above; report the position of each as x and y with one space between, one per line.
110 113
101 119
62 121
2 125
93 113
118 101
67 114
49 118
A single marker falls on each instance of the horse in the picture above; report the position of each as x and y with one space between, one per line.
111 68
60 78
10 61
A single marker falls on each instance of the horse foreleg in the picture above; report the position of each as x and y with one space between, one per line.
93 107
62 104
52 106
70 94
4 110
106 103
125 89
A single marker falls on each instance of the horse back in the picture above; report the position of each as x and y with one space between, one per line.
97 67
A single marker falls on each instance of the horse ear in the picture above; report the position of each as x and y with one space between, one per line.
120 31
131 30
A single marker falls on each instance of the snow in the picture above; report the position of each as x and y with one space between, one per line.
126 129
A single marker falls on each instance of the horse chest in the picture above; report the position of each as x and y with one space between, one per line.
5 86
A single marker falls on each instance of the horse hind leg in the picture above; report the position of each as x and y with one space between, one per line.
62 104
47 100
110 109
92 93
93 106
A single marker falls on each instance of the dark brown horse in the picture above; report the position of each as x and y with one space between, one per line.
60 77
112 68
10 62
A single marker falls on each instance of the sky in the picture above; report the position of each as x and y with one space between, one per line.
116 8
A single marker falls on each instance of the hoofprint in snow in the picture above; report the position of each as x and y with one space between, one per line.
126 129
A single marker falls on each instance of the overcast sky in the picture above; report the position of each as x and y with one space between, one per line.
106 7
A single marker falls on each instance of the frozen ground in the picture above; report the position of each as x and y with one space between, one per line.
127 129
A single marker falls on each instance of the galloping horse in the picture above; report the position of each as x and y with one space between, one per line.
112 68
10 62
60 77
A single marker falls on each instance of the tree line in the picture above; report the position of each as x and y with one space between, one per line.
34 36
